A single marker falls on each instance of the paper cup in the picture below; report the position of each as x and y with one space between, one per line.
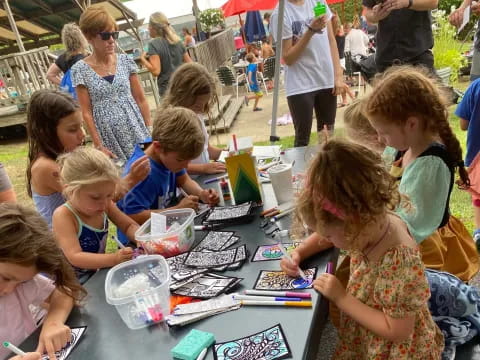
281 178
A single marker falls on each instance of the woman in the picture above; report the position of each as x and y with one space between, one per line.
111 98
166 51
313 75
76 49
189 40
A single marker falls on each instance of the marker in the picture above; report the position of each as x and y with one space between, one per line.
329 268
208 227
235 146
215 179
304 295
13 348
273 213
287 255
119 243
269 165
266 298
282 214
265 212
183 192
202 354
277 303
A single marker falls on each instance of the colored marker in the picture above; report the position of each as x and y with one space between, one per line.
304 295
119 243
287 255
207 227
215 179
329 268
202 354
282 214
13 348
265 212
266 298
277 303
235 146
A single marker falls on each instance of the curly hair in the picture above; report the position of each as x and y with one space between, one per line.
405 91
354 181
73 40
25 240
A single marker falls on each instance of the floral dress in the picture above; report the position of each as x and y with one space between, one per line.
116 114
395 284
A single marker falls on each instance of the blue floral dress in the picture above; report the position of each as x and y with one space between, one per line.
116 114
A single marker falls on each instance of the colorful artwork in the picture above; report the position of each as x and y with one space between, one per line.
272 251
278 280
269 344
242 174
77 333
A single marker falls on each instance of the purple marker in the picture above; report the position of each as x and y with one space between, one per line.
329 268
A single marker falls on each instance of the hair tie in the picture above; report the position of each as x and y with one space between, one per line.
328 206
461 163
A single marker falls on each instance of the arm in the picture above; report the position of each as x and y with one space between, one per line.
187 58
340 86
206 168
7 194
139 96
417 5
291 53
55 334
139 170
46 176
126 224
53 74
152 64
209 196
214 152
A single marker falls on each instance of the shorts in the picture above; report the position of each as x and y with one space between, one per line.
258 93
474 175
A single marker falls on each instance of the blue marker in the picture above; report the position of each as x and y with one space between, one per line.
266 298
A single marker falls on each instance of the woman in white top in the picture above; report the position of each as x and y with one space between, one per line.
313 74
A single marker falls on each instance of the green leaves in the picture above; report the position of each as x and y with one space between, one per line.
211 18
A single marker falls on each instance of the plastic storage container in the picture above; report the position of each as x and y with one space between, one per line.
139 290
176 240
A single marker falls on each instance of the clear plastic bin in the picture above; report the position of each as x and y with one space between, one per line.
173 242
139 290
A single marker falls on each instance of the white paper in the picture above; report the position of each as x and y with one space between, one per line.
224 154
466 18
158 224
217 303
173 320
267 151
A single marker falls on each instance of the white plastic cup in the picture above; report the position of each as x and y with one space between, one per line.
281 178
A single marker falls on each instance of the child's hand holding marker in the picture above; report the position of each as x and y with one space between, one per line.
209 196
290 264
124 254
329 286
21 355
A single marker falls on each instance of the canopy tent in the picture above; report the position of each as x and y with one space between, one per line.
28 24
237 7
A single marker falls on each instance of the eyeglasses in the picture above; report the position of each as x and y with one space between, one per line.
105 35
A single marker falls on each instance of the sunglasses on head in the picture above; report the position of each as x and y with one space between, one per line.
105 35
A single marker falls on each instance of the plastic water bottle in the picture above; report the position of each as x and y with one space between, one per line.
319 9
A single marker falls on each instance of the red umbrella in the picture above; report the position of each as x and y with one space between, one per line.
236 7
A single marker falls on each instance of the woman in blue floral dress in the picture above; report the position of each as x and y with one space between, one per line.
111 97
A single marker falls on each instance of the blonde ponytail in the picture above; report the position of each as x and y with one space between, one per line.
159 22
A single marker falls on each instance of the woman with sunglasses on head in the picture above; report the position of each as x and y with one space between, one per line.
111 97
166 51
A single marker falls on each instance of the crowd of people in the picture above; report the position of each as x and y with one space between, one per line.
382 194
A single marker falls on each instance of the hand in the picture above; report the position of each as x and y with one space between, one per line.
139 170
380 12
329 286
475 8
319 23
29 356
53 337
214 168
143 56
290 267
123 255
456 17
106 151
395 4
340 87
209 196
191 201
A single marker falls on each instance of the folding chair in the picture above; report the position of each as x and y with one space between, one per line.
227 78
350 71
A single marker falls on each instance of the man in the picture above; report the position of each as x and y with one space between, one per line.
356 41
404 33
456 19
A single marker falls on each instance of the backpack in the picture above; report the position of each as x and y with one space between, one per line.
67 86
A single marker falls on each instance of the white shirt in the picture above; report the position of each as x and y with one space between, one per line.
356 42
313 70
204 157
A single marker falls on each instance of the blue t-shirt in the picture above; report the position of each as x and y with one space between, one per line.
155 192
252 68
469 109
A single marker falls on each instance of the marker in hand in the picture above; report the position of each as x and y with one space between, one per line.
13 348
287 255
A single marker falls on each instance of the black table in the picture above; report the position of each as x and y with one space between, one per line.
107 337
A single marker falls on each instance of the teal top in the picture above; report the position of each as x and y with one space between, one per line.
426 183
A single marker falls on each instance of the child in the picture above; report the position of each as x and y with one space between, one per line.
192 86
27 248
411 118
54 126
348 199
89 178
358 128
252 81
176 139
469 112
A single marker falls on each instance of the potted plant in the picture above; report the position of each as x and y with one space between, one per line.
447 52
210 19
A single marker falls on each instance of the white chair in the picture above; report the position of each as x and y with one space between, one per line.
227 78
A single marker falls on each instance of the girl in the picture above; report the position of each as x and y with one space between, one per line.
348 198
81 224
54 126
27 248
411 118
194 88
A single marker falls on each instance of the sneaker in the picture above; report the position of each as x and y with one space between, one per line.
257 109
245 100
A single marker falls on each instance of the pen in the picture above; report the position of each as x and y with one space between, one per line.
202 354
266 298
287 255
119 243
13 348
277 303
304 295
282 214
212 180
265 212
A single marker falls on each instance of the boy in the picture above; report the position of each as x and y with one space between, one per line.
469 113
176 139
252 81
